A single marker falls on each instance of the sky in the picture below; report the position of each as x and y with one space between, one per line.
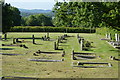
32 4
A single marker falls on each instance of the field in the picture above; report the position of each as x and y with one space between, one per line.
19 65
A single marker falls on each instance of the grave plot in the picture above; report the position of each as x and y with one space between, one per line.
84 45
9 54
45 60
16 45
114 44
84 56
61 39
18 40
43 56
91 64
45 52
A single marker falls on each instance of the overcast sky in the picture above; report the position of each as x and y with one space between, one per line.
32 4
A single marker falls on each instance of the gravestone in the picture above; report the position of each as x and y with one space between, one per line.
14 40
47 35
63 54
55 46
73 55
109 36
78 35
5 36
33 39
117 37
106 35
81 44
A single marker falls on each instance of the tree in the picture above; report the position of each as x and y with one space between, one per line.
87 14
10 17
37 20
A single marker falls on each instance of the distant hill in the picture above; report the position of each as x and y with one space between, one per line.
27 12
34 10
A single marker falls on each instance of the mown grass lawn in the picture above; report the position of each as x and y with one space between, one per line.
20 66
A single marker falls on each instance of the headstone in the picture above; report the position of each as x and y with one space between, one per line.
106 35
117 37
5 36
81 44
73 55
14 41
63 54
109 36
33 39
112 58
47 35
78 36
55 45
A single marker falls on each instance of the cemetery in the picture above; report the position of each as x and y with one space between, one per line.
60 55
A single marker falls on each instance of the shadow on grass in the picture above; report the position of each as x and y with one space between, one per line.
63 42
116 51
38 44
6 48
60 49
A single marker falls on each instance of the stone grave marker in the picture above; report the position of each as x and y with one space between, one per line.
81 44
14 40
117 37
109 36
33 39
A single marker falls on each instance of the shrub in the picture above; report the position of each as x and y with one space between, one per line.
51 29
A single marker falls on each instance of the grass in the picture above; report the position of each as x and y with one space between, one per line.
20 66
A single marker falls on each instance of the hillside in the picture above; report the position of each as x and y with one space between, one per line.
27 12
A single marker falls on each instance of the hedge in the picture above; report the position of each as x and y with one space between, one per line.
105 30
51 29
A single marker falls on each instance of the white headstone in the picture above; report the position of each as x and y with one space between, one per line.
116 37
81 44
109 36
106 35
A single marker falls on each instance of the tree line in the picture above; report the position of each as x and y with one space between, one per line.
87 14
11 17
36 20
